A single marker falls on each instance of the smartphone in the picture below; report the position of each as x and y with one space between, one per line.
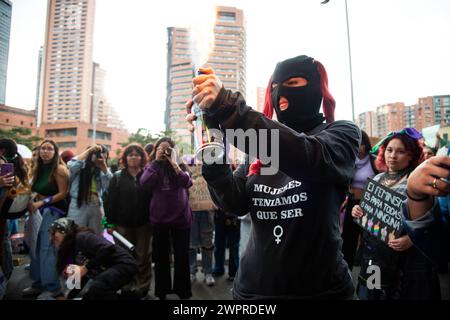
6 168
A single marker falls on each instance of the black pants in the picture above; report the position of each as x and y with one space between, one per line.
162 237
350 233
227 233
107 283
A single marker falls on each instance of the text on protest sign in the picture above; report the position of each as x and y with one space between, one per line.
199 197
382 211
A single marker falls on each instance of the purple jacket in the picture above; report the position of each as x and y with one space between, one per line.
169 205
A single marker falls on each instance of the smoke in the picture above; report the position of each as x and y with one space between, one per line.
201 33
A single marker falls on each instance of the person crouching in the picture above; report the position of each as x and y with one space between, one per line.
81 250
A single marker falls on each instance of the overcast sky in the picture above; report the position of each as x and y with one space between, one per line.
400 49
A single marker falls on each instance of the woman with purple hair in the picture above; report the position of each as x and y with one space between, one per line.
407 270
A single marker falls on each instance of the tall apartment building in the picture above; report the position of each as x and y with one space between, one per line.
228 59
260 96
410 116
428 111
102 110
99 112
70 87
390 117
38 101
441 105
424 113
5 30
68 61
367 121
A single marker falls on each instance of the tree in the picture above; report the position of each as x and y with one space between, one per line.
21 136
144 136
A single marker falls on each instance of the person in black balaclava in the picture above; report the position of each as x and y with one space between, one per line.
294 251
297 106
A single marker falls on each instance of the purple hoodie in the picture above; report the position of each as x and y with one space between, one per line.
169 205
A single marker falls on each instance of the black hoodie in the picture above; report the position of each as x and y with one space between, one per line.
294 250
127 202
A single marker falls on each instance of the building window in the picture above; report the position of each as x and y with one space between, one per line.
68 144
69 132
227 16
100 135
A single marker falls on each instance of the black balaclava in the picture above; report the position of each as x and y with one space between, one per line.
304 102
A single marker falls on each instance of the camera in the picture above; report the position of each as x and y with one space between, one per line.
168 152
98 155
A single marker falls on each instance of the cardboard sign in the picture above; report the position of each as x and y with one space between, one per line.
382 211
199 197
429 134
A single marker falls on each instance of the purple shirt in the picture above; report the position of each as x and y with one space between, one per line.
363 171
169 205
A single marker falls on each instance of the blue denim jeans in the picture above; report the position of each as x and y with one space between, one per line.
445 208
88 215
202 229
13 226
43 266
8 265
228 233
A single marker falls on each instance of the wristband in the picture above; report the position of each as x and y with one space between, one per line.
48 200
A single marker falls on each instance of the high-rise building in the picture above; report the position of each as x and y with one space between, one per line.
441 106
72 85
366 121
38 101
229 55
410 116
102 111
5 29
428 111
260 96
227 58
68 61
98 99
179 82
390 117
424 113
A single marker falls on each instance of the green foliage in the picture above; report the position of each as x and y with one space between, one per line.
144 136
21 136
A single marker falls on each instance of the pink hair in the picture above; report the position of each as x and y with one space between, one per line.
268 106
255 166
328 103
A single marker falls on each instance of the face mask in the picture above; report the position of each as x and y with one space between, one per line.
302 113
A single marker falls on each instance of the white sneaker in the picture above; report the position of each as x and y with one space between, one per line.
30 291
193 278
47 295
209 280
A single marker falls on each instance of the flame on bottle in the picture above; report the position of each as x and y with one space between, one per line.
201 34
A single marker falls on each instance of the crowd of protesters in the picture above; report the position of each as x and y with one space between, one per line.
74 204
107 226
